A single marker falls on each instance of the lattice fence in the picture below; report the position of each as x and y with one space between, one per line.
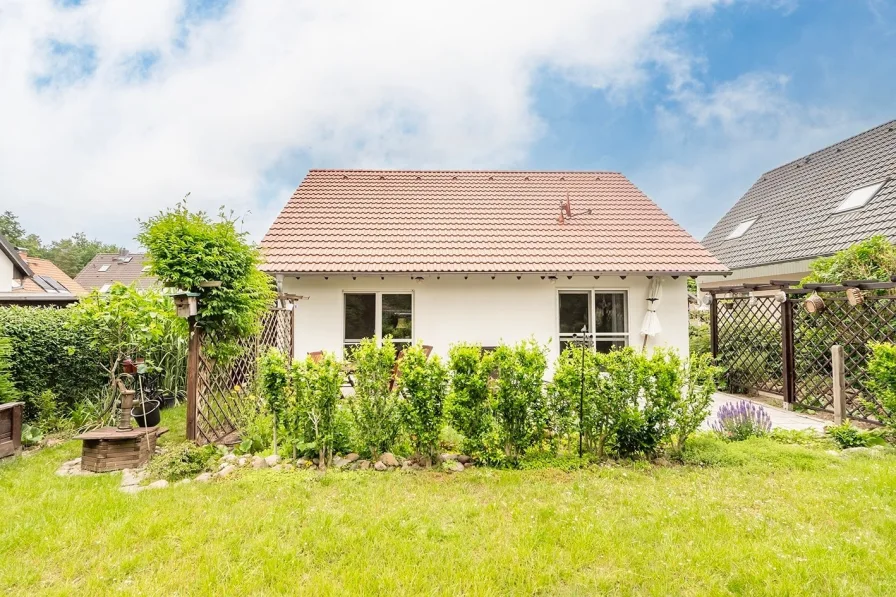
749 344
852 327
222 388
766 345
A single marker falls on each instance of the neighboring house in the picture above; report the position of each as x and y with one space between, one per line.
811 207
26 280
445 257
107 268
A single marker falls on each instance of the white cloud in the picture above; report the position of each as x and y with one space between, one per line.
356 84
716 142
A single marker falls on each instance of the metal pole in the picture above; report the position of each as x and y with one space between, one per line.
582 393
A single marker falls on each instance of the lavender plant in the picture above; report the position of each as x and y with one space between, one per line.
742 420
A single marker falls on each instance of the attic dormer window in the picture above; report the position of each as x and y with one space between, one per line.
104 267
741 229
859 198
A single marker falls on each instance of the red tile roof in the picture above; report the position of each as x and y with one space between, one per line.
476 221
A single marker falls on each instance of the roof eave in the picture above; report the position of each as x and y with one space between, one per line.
693 273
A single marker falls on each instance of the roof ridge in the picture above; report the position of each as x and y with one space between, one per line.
466 171
890 123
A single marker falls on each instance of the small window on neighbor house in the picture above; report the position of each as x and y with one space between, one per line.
859 198
741 229
105 288
104 267
378 314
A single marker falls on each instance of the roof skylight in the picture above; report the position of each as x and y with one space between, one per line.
741 229
859 198
104 267
105 288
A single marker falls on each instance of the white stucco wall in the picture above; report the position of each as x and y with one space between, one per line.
480 309
6 273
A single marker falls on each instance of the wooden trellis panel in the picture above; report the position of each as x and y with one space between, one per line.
220 387
750 344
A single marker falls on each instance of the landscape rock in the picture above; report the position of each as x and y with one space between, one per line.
160 484
380 466
303 463
259 462
340 462
363 465
464 459
277 467
272 460
448 457
351 457
129 478
388 458
204 478
229 457
226 470
453 466
242 461
132 489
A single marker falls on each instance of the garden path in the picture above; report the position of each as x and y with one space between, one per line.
781 419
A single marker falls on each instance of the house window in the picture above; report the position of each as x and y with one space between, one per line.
741 229
859 198
378 314
604 312
104 267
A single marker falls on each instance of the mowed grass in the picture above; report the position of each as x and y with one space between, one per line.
765 519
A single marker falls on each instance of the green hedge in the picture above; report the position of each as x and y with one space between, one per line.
49 353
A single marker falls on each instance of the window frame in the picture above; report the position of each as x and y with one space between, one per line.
845 207
378 317
593 337
736 232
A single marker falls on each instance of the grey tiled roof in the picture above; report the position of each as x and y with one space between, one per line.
794 204
119 270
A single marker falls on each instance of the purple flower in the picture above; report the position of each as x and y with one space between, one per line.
740 420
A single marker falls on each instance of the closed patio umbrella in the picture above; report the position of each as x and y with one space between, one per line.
651 325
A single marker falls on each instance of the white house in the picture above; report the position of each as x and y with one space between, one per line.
450 256
26 280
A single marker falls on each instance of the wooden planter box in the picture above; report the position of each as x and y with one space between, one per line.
10 428
109 449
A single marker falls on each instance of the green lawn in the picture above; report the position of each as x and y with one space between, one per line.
765 519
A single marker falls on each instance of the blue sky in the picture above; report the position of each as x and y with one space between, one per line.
117 109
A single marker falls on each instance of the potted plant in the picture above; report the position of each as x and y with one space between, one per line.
147 413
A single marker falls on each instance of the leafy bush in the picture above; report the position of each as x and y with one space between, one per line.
692 405
469 404
535 460
699 337
31 435
273 380
870 259
374 406
519 400
8 391
738 421
847 436
313 409
188 249
53 352
422 386
182 461
882 371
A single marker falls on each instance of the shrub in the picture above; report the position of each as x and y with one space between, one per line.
741 420
870 259
183 460
8 391
692 404
273 378
374 406
882 371
52 352
519 404
422 386
699 337
188 249
312 413
847 436
469 404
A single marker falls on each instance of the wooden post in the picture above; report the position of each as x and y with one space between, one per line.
787 355
839 384
714 327
193 349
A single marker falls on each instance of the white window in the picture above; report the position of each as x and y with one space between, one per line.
104 267
604 314
105 288
859 198
378 314
741 229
